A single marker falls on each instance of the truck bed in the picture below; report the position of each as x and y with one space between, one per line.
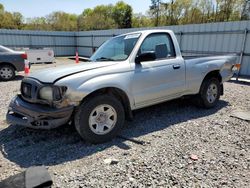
207 58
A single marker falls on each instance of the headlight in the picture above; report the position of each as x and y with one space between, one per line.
51 93
46 93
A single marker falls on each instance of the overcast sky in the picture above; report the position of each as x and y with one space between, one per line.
37 8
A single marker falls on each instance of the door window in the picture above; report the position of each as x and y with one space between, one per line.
160 43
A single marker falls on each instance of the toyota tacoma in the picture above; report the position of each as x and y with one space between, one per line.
127 72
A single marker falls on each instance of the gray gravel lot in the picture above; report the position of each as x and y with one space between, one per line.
170 132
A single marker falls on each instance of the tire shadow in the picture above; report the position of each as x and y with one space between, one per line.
28 147
17 78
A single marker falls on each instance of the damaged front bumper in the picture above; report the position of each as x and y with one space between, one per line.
37 116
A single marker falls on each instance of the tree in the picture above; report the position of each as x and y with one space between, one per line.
245 14
61 21
37 23
174 12
18 20
10 20
1 8
155 10
140 20
98 18
122 14
228 10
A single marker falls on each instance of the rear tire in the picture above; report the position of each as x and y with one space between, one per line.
7 72
99 119
209 93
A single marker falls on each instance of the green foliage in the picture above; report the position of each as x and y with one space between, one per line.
61 21
106 17
1 8
175 12
38 23
17 19
98 18
10 20
120 15
155 11
140 20
245 14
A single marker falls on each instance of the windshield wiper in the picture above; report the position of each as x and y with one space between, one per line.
104 59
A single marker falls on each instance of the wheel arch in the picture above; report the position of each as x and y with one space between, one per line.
214 74
118 94
9 64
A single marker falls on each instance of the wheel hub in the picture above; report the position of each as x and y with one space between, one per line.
5 72
102 119
212 93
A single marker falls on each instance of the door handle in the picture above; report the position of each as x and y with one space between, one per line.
176 66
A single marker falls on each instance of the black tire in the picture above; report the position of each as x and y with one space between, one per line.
84 112
7 77
203 100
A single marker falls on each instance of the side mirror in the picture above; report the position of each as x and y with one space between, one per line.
148 56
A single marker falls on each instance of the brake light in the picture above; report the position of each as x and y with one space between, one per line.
24 56
236 67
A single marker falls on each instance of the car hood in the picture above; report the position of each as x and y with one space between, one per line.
52 75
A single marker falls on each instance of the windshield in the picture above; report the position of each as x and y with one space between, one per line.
116 49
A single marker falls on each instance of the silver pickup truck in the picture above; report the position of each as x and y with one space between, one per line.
127 72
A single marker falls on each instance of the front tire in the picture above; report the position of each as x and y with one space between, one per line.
209 93
99 119
7 73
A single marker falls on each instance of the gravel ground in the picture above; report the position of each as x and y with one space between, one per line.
179 146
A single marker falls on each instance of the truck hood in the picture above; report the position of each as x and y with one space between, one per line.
52 75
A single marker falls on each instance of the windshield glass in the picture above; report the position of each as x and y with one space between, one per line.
116 49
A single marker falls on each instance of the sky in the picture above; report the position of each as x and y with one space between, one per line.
37 8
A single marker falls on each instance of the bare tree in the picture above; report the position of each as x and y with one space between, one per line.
155 9
245 15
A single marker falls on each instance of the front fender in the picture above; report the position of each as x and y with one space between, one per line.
119 80
76 92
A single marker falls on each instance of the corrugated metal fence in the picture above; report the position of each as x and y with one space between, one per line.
63 43
196 39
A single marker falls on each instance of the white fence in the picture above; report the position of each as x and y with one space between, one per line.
196 40
63 43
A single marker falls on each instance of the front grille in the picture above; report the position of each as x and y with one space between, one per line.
29 89
26 90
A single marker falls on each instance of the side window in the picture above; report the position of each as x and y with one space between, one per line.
160 43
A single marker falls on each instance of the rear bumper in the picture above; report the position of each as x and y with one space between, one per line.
37 116
20 66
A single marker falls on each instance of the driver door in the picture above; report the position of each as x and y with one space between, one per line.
160 79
